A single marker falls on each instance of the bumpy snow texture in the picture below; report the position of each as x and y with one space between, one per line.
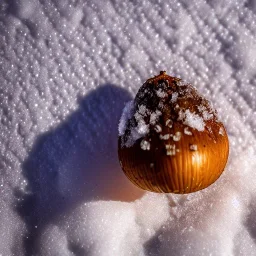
67 68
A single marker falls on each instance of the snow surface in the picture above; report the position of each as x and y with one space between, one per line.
67 68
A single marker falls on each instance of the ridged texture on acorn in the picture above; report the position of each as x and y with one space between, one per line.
175 154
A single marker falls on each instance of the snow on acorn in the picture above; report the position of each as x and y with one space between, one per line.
170 138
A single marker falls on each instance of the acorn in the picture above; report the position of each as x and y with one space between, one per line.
170 138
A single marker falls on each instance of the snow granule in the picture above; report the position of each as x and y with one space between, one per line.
193 147
160 93
177 136
169 123
221 131
174 97
187 131
205 113
158 128
164 137
145 145
170 150
191 119
154 117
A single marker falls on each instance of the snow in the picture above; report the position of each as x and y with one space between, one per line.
170 150
145 145
165 136
191 119
221 131
154 116
174 97
168 123
177 136
158 128
160 93
193 147
67 68
205 113
142 128
126 115
188 132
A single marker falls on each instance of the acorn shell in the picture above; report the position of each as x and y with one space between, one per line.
173 157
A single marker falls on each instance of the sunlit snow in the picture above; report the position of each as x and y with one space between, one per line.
67 68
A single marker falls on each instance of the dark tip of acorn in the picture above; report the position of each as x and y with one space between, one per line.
163 76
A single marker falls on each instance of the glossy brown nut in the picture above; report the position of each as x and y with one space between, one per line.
177 154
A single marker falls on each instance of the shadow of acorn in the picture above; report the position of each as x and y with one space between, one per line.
76 163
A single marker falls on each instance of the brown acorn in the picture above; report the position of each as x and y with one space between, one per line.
170 138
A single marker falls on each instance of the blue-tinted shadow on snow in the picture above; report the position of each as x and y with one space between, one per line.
76 163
